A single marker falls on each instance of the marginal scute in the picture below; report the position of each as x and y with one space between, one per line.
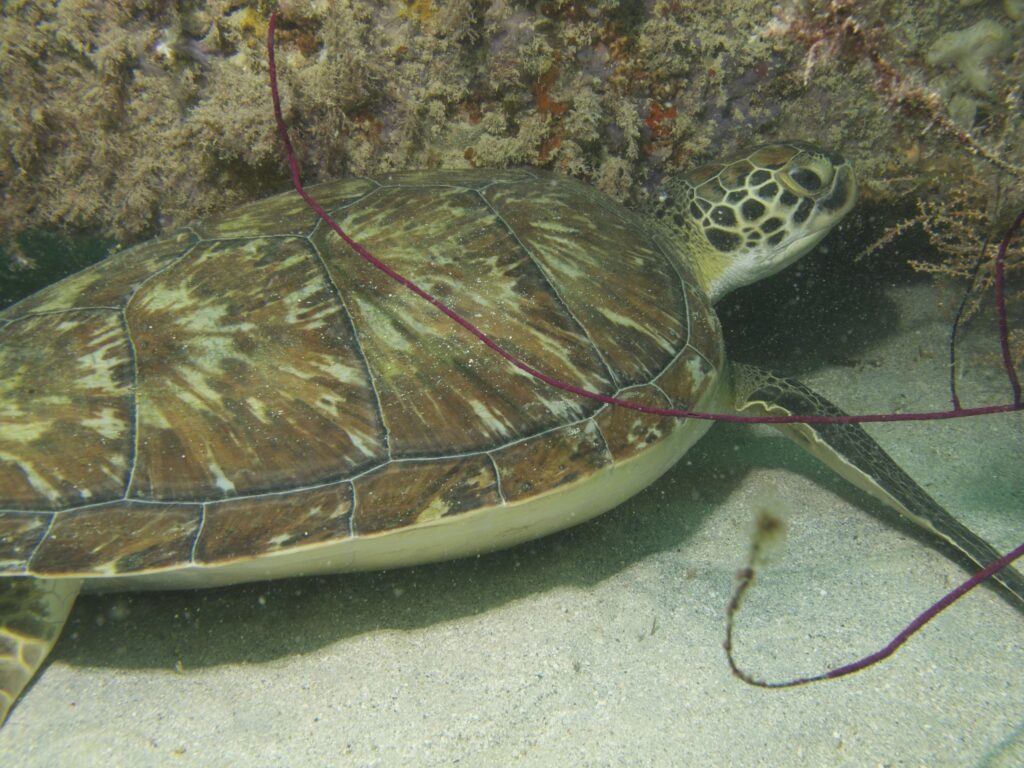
407 493
688 380
20 533
705 330
119 538
260 525
547 461
628 432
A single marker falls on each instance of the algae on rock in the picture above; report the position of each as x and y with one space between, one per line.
143 115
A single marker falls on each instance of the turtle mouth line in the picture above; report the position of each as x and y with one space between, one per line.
803 243
809 239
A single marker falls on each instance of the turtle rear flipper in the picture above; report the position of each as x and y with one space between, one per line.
32 614
855 456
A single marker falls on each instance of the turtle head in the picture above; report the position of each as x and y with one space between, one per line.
736 222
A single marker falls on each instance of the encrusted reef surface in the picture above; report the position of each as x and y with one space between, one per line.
131 117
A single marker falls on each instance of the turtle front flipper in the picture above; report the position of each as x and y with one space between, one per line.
32 614
854 455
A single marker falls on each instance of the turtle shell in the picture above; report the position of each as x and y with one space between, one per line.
249 398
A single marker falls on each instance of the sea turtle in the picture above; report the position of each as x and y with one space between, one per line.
246 399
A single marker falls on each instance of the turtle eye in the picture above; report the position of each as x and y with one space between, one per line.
807 179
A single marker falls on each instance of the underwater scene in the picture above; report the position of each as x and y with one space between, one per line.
418 465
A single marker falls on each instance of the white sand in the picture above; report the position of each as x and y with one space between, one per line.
600 646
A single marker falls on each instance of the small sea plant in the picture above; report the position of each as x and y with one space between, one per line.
968 213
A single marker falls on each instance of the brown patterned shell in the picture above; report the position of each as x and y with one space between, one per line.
250 387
